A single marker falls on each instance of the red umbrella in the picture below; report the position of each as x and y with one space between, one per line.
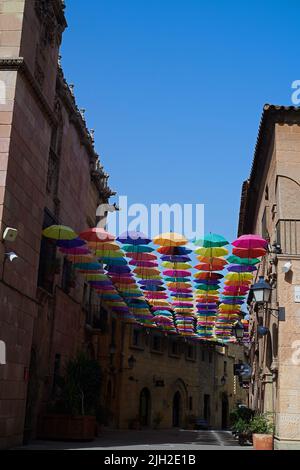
249 252
96 234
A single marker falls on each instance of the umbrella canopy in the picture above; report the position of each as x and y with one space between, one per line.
250 241
137 249
211 252
249 252
75 242
176 273
76 251
87 266
240 268
146 272
97 235
143 264
114 261
211 240
141 256
59 232
172 265
239 276
175 258
237 260
209 275
109 253
134 238
174 250
215 266
170 239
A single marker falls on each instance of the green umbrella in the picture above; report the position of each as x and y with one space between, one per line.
137 249
207 287
211 240
245 261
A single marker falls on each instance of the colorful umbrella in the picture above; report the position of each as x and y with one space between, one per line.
59 232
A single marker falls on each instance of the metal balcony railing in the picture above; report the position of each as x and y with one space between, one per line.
288 236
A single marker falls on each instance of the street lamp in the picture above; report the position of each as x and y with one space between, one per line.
238 330
261 291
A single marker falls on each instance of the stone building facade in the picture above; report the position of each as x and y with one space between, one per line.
157 380
270 207
49 173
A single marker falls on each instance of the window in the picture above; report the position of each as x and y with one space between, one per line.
203 355
67 276
156 343
267 193
174 348
191 352
136 340
264 226
47 264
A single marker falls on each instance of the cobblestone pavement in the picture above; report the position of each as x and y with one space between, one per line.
175 439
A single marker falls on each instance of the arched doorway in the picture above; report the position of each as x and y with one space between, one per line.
225 411
145 407
177 404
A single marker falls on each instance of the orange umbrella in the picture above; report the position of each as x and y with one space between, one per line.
96 235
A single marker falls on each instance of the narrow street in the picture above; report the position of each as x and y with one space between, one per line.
149 440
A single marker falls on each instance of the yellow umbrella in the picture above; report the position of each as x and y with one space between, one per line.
146 272
158 303
168 264
210 252
204 292
59 232
225 307
239 276
170 239
104 246
184 310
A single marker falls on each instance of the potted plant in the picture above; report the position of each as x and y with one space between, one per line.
72 415
241 429
240 418
262 432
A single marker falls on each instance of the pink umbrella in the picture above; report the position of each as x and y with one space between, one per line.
184 291
176 273
143 264
250 241
156 295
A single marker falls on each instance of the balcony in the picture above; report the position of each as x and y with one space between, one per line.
288 236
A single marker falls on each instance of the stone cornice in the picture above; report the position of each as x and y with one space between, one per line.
63 90
18 64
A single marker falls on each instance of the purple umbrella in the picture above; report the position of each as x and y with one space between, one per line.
134 238
175 259
70 243
119 269
151 282
238 268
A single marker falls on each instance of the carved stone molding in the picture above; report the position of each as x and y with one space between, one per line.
52 19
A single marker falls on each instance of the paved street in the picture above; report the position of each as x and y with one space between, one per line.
150 440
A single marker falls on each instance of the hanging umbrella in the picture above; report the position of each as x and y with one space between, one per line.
143 264
75 242
146 272
59 232
174 250
239 268
250 241
249 252
114 261
96 235
239 276
141 256
109 254
137 249
176 273
237 260
170 239
87 266
210 267
209 275
76 251
175 258
172 265
211 252
134 238
211 240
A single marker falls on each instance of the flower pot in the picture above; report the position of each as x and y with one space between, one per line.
67 428
263 441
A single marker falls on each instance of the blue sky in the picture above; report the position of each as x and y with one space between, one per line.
175 90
